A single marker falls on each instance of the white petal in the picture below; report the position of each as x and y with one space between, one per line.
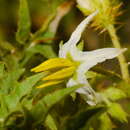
91 103
75 37
94 57
86 91
71 82
82 90
100 55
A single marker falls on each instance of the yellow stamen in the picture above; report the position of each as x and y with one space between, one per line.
50 83
61 74
52 64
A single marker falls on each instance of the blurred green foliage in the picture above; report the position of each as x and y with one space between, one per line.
25 41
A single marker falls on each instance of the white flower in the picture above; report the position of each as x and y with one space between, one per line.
86 60
72 64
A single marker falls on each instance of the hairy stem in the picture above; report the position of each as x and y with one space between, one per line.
121 57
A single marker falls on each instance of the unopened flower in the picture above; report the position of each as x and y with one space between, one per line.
73 63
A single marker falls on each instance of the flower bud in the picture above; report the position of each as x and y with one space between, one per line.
108 10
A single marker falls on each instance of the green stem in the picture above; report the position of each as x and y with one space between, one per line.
121 57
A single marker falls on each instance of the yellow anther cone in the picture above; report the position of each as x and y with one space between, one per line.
50 83
52 64
61 74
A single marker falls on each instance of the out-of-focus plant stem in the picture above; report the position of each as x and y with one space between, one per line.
62 10
121 57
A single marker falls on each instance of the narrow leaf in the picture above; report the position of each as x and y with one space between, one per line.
50 123
82 118
43 106
7 46
2 69
41 33
116 111
105 122
24 22
10 80
114 93
46 50
22 89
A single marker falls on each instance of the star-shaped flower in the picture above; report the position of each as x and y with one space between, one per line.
73 63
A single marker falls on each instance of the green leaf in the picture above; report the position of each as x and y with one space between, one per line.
11 62
116 112
82 120
46 50
2 69
40 93
24 23
91 128
114 93
7 46
10 80
3 108
43 32
44 105
50 123
105 122
22 89
125 87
